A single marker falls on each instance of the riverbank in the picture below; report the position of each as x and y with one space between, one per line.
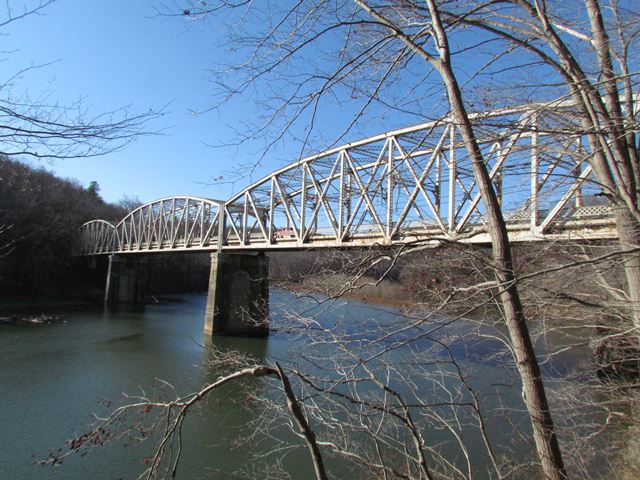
43 311
420 292
23 306
365 290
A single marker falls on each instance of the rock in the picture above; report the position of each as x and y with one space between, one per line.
42 319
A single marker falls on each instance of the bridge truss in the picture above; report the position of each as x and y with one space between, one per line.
413 184
98 236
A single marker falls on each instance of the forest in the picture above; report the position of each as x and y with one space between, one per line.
39 219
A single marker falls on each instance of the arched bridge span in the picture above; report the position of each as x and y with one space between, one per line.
412 184
172 223
98 236
404 185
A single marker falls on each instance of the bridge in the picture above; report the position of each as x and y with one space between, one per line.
409 185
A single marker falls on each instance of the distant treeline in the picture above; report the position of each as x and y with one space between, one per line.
39 219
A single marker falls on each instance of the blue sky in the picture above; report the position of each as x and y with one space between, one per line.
115 53
118 53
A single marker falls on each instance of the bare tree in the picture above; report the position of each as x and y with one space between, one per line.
149 416
397 33
582 54
129 202
590 50
533 47
394 397
32 125
5 245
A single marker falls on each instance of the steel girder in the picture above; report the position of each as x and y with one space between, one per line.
417 184
405 185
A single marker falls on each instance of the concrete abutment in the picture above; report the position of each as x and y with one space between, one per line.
238 290
238 298
126 280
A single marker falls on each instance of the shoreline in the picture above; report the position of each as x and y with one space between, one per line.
379 295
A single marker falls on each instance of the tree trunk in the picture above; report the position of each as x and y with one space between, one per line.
534 395
629 235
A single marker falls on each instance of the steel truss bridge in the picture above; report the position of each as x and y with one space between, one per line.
412 184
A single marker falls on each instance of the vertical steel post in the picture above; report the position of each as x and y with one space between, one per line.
303 206
173 221
349 197
452 178
222 220
535 166
245 214
185 215
342 199
436 189
204 206
389 190
272 204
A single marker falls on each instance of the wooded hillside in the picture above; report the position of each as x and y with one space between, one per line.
39 219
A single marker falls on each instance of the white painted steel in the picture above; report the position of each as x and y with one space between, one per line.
413 184
168 224
97 236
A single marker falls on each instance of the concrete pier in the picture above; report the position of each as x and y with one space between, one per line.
126 279
238 299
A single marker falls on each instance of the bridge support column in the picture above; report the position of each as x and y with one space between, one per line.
126 279
238 300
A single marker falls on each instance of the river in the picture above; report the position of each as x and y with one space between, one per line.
54 378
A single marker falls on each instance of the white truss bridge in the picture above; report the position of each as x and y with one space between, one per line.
413 184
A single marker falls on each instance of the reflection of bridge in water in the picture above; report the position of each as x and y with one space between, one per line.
413 184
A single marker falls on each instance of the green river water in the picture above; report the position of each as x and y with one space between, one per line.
54 378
